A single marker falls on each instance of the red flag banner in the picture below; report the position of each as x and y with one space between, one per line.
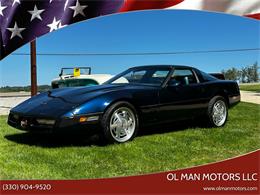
239 175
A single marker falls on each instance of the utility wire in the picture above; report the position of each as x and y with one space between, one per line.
141 53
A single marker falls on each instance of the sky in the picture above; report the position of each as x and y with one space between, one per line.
139 32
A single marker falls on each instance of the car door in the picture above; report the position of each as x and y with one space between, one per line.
181 97
148 97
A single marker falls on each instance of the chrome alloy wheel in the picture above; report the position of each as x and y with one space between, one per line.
122 124
219 113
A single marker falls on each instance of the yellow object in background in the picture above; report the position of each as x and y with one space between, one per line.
76 72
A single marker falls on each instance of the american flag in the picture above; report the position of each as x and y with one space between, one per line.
21 21
249 8
24 20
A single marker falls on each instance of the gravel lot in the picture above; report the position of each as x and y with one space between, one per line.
9 100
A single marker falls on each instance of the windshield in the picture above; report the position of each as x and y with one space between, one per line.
149 76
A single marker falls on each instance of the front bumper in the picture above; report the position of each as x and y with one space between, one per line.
233 100
30 123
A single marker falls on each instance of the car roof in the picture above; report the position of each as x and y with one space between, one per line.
161 66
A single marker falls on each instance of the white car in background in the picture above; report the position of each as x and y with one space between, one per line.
78 76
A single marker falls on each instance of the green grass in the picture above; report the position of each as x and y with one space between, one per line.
250 87
23 156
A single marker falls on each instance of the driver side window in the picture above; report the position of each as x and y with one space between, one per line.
182 77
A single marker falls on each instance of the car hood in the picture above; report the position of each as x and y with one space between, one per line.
57 102
79 95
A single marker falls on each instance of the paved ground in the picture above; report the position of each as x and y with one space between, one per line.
9 100
251 97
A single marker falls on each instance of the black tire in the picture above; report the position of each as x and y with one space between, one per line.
210 111
107 133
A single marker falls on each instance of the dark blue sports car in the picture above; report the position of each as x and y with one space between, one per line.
139 96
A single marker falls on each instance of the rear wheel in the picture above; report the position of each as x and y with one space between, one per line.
120 123
217 111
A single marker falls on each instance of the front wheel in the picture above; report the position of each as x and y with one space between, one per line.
120 122
217 111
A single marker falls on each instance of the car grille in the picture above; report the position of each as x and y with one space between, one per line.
26 122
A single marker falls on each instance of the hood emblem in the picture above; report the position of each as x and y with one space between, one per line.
24 123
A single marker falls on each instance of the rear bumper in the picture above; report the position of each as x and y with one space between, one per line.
233 100
30 124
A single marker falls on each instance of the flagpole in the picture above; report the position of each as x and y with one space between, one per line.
33 68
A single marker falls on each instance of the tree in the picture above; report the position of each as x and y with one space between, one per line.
231 74
243 75
255 74
248 74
